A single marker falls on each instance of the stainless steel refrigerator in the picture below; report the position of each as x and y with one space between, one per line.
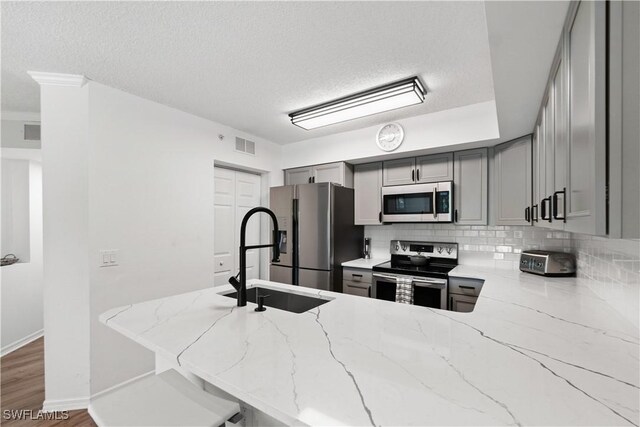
317 234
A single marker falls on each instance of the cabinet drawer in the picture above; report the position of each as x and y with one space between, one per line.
356 275
464 286
462 303
356 288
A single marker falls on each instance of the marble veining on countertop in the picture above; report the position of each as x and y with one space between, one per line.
364 263
536 351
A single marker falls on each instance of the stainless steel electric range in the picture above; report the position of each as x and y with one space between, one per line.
425 265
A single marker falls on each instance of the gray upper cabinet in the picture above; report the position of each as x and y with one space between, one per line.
339 173
413 170
434 168
535 164
511 187
367 188
586 179
623 112
570 139
298 176
471 188
399 172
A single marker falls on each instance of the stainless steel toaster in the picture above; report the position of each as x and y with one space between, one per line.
548 263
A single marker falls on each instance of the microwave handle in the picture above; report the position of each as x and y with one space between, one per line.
433 202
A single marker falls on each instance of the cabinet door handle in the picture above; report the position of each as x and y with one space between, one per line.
356 275
451 303
467 287
455 215
417 174
534 218
413 175
309 180
526 214
564 203
543 209
380 217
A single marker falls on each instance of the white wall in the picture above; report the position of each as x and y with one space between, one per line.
426 133
136 176
151 180
15 208
12 130
22 311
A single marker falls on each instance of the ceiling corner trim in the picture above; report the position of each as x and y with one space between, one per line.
58 79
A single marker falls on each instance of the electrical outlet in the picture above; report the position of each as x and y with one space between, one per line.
109 258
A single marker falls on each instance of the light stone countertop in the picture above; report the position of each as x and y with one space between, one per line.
536 351
366 264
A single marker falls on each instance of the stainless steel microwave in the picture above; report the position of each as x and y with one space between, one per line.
432 202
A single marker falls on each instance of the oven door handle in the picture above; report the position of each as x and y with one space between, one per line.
384 276
420 282
426 283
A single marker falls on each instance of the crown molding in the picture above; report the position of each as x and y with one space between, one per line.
58 79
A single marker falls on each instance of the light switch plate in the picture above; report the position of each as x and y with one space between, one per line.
109 258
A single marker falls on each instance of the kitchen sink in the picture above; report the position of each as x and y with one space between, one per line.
281 300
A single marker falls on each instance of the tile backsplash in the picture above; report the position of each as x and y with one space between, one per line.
611 266
493 246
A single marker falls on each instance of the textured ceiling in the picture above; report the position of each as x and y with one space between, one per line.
523 37
248 64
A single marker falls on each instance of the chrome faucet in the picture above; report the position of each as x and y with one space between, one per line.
241 285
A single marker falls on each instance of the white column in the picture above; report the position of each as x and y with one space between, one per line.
64 115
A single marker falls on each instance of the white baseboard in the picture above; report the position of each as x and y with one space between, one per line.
65 404
122 384
21 342
84 403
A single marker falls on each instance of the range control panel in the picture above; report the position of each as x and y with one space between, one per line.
429 249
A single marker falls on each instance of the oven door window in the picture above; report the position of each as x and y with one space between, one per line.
385 290
427 297
408 204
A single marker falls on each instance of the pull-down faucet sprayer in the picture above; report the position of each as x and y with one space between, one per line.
241 285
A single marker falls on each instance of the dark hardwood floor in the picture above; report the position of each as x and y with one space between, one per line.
22 387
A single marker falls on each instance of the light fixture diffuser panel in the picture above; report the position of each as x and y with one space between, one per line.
385 98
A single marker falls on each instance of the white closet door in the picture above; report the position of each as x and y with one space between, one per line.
248 197
224 225
235 194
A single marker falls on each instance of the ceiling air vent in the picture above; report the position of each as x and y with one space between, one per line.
31 132
245 146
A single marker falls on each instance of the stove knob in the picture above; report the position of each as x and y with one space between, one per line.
397 247
404 247
449 250
439 249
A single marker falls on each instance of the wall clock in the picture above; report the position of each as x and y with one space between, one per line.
390 137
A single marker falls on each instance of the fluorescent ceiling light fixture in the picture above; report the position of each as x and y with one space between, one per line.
384 98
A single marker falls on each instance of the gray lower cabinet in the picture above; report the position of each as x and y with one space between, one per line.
471 186
356 281
463 293
511 188
338 172
399 172
462 303
367 188
434 168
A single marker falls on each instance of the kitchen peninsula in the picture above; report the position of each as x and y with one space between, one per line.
535 351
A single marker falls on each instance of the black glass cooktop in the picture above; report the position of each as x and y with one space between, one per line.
432 269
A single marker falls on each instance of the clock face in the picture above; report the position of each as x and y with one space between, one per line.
390 137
